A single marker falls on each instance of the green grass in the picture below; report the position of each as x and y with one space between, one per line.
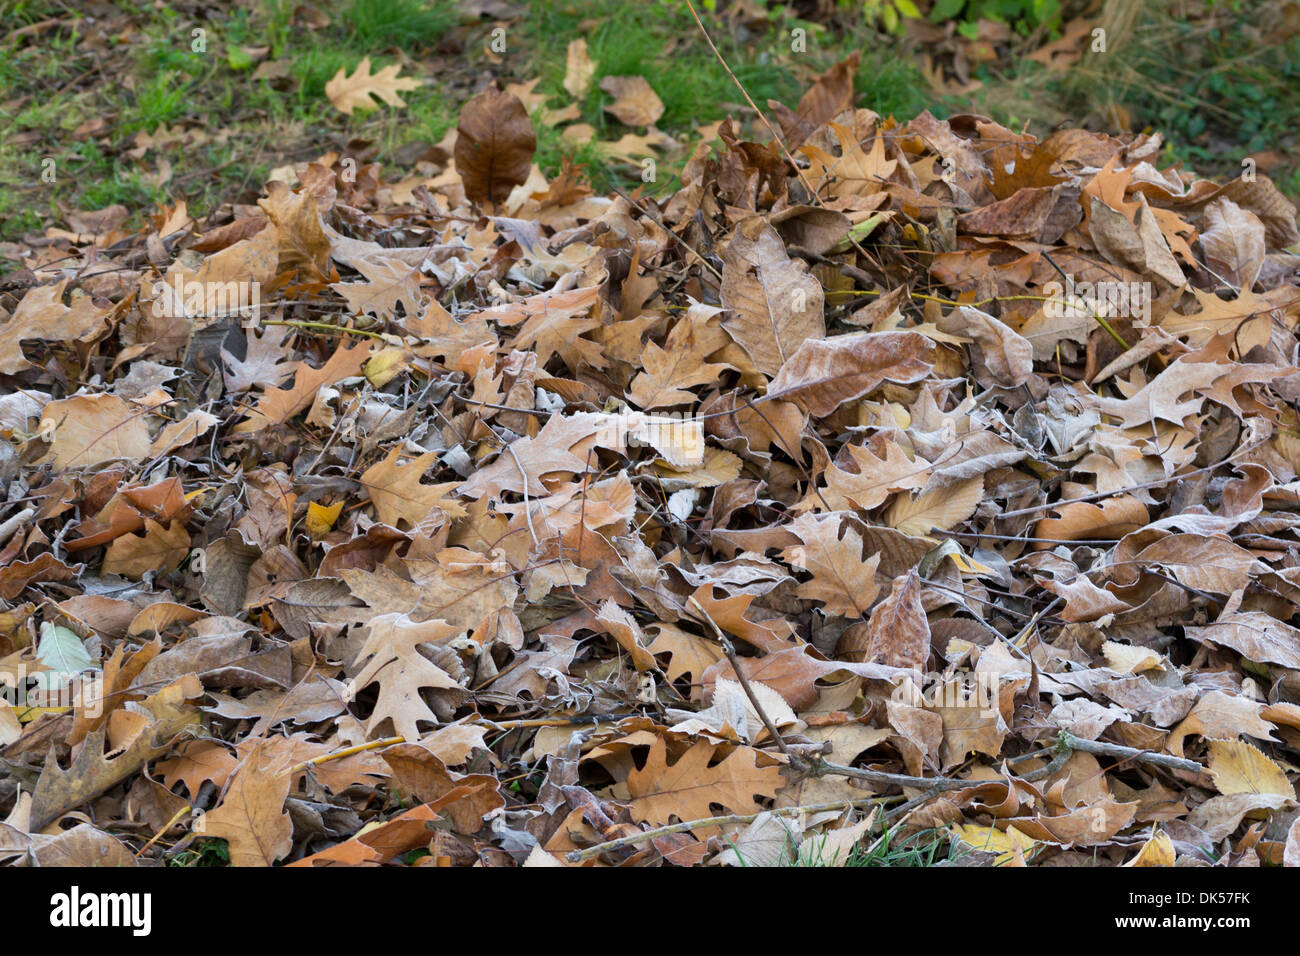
693 86
408 24
203 853
931 847
894 87
159 78
1213 84
52 85
926 848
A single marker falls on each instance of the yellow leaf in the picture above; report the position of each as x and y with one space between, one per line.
1002 842
385 365
1129 658
941 508
1237 767
321 518
968 564
27 714
718 466
1158 851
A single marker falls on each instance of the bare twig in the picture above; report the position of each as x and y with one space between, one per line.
324 327
680 241
780 141
825 768
163 829
933 785
1097 496
528 505
13 524
795 760
1103 749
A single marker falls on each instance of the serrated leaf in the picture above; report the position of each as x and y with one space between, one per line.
942 508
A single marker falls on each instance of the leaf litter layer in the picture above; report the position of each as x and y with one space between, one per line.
884 482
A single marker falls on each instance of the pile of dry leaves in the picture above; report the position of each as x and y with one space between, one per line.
430 522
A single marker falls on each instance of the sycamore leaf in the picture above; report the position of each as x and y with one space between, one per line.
494 145
775 304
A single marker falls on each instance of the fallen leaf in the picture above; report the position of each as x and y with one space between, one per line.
349 92
494 145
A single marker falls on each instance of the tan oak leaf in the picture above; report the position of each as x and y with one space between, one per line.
349 92
393 660
942 508
398 495
689 788
252 819
875 480
841 579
